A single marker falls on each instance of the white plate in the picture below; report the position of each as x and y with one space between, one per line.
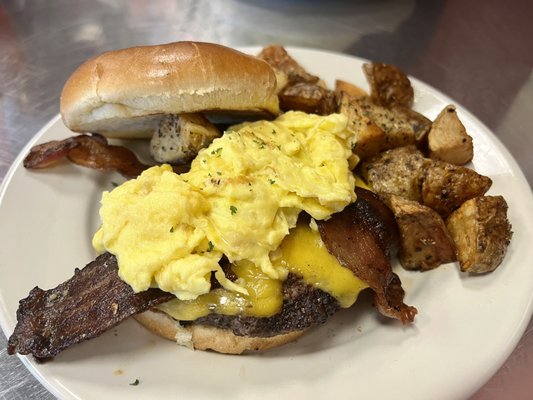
465 329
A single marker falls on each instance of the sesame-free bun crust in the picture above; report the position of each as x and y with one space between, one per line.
203 337
125 93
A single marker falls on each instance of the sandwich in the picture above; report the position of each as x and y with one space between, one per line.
264 236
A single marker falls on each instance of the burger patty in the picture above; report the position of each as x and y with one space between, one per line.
304 306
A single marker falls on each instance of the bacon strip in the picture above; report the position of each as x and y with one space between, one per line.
94 300
364 237
46 154
91 151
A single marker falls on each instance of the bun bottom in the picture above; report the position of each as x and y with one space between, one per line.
202 337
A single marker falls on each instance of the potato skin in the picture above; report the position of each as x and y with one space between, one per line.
400 129
448 140
390 87
445 186
396 171
370 138
481 232
425 241
308 97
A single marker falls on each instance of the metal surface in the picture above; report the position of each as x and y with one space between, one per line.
479 53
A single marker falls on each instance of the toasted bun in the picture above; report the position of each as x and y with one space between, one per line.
202 337
125 93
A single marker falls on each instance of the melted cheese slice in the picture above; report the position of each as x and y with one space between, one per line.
302 253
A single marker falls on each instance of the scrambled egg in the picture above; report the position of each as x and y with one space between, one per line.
240 198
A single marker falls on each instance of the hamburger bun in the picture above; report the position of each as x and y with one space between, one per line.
201 337
125 93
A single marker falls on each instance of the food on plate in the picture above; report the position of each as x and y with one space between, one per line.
297 88
481 232
91 151
448 140
418 123
350 89
165 97
180 137
425 241
222 226
94 300
239 199
395 171
370 139
398 129
405 171
287 70
446 186
363 237
175 78
266 233
308 97
51 321
389 86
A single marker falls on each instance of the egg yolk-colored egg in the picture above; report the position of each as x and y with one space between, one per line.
240 198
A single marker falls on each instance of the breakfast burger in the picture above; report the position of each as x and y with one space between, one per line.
263 236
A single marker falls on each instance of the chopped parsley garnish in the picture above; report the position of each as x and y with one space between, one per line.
171 229
210 246
115 184
135 382
274 131
272 181
233 210
260 143
217 151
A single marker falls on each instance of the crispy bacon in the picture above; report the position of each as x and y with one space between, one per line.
363 237
92 151
45 154
94 300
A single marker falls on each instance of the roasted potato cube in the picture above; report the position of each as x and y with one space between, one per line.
445 186
448 140
350 89
425 241
179 138
420 125
308 97
397 171
279 59
405 172
282 80
369 138
389 86
481 232
397 127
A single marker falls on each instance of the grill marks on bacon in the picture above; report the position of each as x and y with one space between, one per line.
364 237
92 151
94 300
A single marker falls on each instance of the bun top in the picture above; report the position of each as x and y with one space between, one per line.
125 93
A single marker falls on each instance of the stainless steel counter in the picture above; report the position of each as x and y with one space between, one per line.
479 53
